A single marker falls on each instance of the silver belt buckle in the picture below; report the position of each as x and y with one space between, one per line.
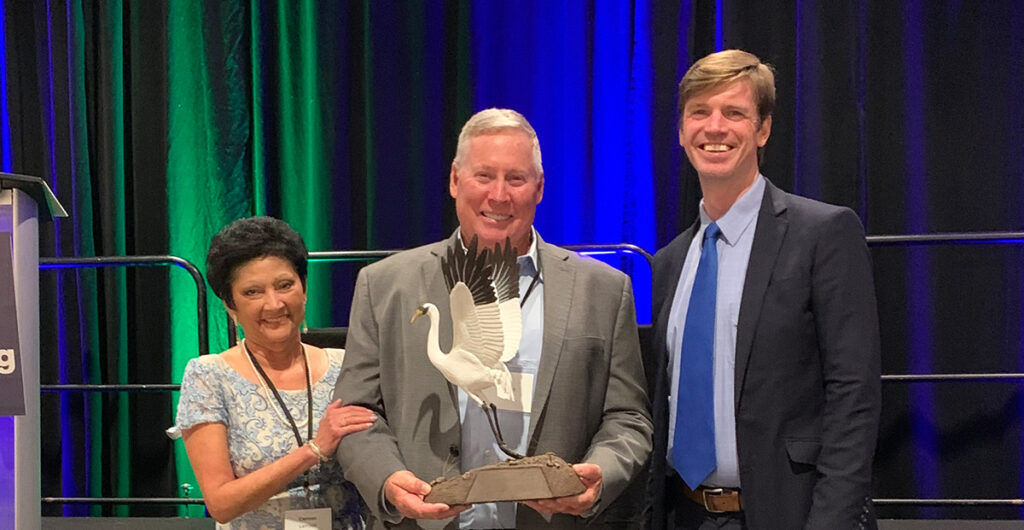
713 491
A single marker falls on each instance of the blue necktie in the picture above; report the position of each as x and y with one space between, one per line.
693 450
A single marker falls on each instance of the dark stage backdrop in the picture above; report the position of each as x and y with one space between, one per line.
156 122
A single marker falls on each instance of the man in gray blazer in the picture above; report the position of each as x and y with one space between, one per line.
579 354
768 410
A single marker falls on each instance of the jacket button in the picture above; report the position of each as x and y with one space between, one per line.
453 450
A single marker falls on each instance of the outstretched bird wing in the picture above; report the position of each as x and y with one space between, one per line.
475 314
505 277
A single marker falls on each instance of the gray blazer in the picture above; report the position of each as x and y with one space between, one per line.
589 402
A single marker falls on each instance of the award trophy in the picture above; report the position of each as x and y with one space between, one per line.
483 290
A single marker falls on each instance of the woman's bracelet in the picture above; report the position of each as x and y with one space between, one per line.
316 451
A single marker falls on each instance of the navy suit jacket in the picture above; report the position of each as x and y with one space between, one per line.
808 389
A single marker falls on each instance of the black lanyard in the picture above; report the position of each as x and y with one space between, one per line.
309 394
533 283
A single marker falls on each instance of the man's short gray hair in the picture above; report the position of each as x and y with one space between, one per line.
491 121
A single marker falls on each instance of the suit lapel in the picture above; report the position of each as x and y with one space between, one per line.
768 237
666 282
558 292
435 291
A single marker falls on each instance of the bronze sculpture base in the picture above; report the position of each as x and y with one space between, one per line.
534 477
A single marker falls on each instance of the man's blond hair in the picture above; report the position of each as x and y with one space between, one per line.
724 67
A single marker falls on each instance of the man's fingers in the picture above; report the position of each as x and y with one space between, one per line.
404 481
589 473
551 506
438 511
574 504
406 492
412 506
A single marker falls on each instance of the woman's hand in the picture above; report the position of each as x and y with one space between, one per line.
340 421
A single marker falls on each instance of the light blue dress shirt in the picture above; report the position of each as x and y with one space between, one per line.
738 226
478 445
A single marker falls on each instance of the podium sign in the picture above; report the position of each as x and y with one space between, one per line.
12 395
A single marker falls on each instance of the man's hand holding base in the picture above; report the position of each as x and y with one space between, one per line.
590 475
405 492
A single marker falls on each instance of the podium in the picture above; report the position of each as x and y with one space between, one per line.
24 201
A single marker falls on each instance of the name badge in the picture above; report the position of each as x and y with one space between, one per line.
522 394
310 519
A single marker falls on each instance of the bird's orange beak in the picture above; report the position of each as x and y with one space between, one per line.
419 312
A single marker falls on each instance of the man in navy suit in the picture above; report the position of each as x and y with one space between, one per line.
767 389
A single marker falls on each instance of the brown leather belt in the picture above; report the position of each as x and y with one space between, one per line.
715 500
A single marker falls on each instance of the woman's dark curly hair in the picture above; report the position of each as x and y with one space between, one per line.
245 240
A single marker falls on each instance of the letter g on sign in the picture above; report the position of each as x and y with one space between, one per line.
7 362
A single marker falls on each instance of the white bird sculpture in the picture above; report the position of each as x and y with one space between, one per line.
483 290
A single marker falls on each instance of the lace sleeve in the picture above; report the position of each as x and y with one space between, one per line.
202 397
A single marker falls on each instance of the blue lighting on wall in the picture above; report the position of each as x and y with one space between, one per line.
639 226
919 298
68 445
582 75
719 33
808 140
611 82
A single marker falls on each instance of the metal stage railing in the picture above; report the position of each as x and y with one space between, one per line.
122 500
369 255
145 261
951 238
948 238
135 261
948 502
613 248
203 343
960 238
110 388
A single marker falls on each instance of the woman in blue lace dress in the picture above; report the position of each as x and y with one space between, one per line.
257 420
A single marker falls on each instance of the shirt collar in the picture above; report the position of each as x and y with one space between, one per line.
531 255
740 215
